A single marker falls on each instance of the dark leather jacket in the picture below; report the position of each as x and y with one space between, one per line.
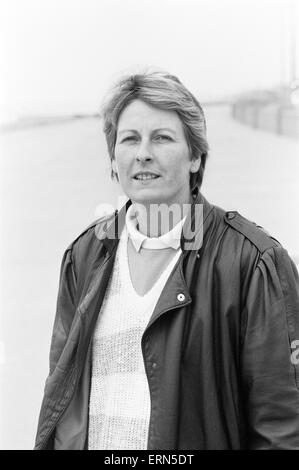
217 358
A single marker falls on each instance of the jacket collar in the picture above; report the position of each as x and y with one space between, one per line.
195 228
197 222
179 285
169 239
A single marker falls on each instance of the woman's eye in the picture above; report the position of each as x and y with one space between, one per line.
163 137
160 137
131 137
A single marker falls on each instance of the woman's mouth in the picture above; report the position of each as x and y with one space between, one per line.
145 176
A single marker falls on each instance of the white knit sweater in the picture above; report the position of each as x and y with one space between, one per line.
119 409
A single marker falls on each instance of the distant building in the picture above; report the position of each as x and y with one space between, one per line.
270 110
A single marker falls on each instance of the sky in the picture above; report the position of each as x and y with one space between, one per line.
61 56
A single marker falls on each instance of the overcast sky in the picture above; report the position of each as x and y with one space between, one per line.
59 56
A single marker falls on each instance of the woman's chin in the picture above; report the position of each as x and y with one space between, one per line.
148 197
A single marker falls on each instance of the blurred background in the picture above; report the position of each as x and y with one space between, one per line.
57 59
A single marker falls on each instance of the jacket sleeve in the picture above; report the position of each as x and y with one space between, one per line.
270 371
65 308
65 311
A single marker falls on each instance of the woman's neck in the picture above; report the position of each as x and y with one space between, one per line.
156 219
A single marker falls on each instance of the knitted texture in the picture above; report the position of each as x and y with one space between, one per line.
119 408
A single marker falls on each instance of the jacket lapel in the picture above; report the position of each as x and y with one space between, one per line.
175 294
176 290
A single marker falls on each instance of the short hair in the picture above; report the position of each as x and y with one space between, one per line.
164 91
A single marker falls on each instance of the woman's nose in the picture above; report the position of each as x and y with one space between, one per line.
143 158
143 153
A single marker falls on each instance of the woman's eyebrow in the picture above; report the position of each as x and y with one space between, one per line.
126 130
165 129
154 130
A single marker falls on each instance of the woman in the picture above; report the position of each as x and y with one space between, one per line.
174 328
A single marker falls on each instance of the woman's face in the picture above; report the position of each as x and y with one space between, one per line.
152 155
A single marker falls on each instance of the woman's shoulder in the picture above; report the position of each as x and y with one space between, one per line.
94 232
244 247
243 228
241 242
233 229
86 248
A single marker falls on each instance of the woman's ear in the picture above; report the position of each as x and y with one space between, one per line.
114 166
195 165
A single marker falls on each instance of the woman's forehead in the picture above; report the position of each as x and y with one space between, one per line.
139 115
